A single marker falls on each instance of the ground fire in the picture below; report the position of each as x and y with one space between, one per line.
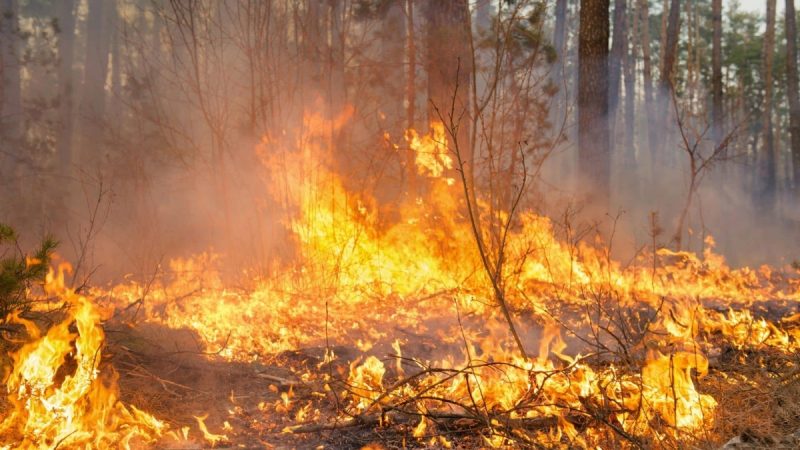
409 341
399 224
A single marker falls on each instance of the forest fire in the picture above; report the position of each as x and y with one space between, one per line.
389 224
365 286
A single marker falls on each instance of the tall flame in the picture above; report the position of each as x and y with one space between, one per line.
360 275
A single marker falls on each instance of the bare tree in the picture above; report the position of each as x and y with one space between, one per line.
700 162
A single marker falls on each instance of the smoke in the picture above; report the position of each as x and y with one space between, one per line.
172 166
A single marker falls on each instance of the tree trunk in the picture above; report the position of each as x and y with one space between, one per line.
95 72
664 94
449 67
411 91
691 46
791 90
337 88
393 44
768 143
314 42
670 47
593 131
116 67
618 46
559 43
483 16
66 43
716 71
663 35
630 93
11 89
647 71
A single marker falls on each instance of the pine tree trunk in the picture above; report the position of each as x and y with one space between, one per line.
664 99
411 90
593 127
691 46
618 45
11 88
670 47
116 68
791 90
66 44
393 43
483 15
630 92
93 96
647 71
97 54
716 71
560 44
314 46
449 68
337 89
768 138
663 34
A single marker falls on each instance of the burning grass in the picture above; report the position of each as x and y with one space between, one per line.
389 334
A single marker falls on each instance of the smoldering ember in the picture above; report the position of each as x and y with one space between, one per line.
399 224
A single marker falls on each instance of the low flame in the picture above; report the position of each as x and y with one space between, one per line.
360 278
51 408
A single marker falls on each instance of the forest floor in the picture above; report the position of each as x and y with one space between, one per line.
253 404
162 372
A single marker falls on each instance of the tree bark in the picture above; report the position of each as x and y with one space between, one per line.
483 15
337 88
116 66
560 44
630 91
716 71
647 70
664 94
394 44
93 96
670 47
411 90
66 44
663 34
768 138
449 67
691 46
791 90
593 130
314 35
618 46
11 88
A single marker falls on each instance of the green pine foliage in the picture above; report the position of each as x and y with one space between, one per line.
19 271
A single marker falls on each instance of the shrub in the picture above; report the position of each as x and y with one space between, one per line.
19 271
